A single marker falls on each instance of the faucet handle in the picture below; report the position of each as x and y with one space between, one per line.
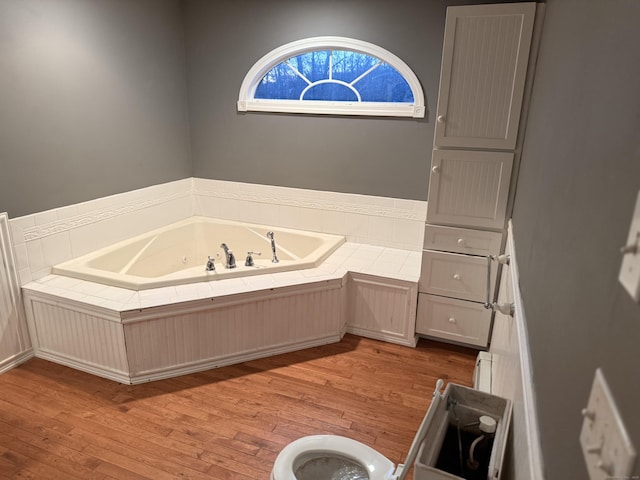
249 261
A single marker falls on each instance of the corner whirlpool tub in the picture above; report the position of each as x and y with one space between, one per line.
177 254
147 309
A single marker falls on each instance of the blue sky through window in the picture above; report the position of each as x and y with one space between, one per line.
334 75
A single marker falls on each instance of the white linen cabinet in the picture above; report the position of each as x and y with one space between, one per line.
485 58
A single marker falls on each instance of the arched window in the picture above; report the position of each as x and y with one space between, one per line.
332 75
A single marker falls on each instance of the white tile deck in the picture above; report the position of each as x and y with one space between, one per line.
386 262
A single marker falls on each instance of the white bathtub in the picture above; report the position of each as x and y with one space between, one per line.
177 254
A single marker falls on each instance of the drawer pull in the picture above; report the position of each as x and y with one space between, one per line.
461 241
452 320
457 276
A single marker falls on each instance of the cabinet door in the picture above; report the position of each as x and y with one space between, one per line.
468 188
484 64
381 308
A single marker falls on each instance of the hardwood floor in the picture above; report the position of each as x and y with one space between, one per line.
226 423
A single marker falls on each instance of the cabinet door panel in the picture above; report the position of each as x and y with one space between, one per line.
468 188
484 64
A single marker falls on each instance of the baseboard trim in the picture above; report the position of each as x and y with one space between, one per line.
15 360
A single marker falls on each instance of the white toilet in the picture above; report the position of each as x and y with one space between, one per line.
331 457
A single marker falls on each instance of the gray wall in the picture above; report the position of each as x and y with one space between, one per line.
578 183
93 102
374 156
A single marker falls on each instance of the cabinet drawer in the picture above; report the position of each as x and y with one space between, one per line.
452 319
456 275
462 240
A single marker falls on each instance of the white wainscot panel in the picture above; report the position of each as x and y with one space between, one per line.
511 376
15 344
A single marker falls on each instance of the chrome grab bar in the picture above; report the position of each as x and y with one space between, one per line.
504 308
487 303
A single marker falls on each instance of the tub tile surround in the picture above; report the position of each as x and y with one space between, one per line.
379 264
47 238
364 219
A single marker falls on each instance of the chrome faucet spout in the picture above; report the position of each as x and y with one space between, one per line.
230 259
273 247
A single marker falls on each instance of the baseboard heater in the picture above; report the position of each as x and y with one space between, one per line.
482 373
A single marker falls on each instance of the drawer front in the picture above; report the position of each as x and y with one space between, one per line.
452 319
456 275
462 240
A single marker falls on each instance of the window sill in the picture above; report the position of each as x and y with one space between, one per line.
333 108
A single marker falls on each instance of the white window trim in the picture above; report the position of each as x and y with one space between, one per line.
247 102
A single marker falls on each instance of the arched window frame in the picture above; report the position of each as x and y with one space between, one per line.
248 103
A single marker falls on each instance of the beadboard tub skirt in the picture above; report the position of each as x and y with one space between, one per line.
138 346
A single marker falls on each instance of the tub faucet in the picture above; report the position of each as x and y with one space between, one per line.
249 261
230 258
273 247
211 267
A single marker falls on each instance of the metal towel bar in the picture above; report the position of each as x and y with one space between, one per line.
504 308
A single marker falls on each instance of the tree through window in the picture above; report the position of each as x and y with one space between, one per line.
332 75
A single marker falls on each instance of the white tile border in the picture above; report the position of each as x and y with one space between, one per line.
53 227
317 200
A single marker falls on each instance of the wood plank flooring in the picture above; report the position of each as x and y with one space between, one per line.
226 423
